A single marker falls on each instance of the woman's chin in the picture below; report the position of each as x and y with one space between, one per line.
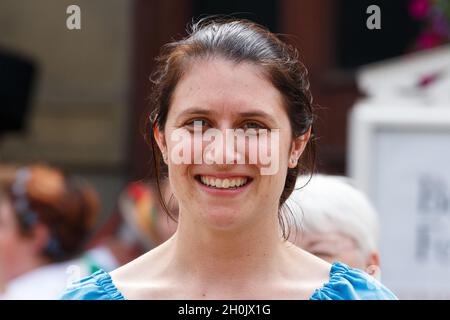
222 218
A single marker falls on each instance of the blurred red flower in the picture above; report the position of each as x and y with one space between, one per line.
429 39
419 9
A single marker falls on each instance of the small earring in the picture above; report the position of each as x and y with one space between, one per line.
293 161
165 157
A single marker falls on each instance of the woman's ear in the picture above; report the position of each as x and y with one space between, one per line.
161 141
297 148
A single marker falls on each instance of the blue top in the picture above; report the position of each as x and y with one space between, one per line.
345 283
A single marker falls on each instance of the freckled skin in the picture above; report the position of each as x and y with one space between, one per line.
229 89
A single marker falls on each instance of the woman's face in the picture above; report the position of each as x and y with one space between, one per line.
219 94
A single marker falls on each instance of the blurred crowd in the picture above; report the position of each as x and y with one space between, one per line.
51 234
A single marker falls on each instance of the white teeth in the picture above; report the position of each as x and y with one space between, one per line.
223 183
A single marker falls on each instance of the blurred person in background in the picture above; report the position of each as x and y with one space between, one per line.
137 225
335 222
141 209
45 218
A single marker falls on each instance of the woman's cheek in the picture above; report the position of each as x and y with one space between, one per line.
268 153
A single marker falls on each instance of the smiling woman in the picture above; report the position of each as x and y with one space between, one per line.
231 240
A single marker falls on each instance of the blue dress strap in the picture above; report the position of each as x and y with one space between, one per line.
97 286
348 283
345 283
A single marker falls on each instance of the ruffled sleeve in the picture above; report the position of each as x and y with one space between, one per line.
348 283
98 286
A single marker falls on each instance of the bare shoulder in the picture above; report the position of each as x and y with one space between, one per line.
309 271
318 268
128 271
140 278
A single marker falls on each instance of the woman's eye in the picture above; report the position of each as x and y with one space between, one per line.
200 123
253 126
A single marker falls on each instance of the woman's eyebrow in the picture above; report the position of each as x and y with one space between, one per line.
246 114
193 111
196 110
257 114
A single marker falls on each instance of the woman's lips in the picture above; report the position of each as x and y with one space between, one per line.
225 185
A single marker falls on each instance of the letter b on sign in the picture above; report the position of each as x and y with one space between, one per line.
73 21
374 20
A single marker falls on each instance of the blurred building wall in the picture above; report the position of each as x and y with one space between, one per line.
79 110
80 106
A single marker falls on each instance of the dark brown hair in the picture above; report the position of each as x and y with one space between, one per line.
237 41
66 205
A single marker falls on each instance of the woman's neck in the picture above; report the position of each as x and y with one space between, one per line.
205 263
213 255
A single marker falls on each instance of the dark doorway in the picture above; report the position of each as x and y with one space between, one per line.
263 12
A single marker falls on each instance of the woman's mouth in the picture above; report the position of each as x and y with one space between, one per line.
229 183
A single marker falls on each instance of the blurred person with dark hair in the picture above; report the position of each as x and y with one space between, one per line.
335 221
45 219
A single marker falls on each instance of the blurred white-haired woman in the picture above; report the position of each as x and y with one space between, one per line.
335 221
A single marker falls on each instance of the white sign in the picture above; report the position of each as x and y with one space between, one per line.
400 156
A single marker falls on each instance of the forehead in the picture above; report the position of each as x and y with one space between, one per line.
226 86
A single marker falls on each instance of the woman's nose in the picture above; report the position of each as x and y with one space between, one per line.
224 148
